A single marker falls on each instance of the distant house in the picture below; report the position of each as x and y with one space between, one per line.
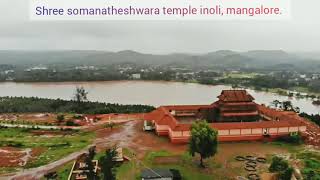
8 71
83 68
136 76
160 174
36 68
148 126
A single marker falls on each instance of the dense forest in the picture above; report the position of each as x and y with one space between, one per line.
33 104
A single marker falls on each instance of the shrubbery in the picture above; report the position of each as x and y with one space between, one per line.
292 139
71 123
281 166
311 170
313 117
286 174
278 164
41 105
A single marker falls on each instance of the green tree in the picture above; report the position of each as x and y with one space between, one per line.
108 165
92 152
287 105
90 173
276 103
282 167
80 95
278 164
90 169
203 140
43 105
286 174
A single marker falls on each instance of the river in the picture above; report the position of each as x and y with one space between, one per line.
142 92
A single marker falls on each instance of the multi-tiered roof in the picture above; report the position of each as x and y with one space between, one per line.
236 106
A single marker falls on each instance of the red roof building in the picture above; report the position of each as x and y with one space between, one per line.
236 106
234 115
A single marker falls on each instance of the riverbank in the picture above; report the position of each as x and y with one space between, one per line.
154 93
299 92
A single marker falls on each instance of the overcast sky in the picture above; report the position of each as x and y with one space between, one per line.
301 33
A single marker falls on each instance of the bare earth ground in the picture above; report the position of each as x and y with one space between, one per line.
130 135
143 142
12 157
39 118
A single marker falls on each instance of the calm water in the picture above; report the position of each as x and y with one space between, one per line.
141 92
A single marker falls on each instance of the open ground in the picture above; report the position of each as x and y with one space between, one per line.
145 149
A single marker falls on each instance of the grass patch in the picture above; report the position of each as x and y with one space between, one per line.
5 170
63 172
56 147
188 168
311 161
151 155
292 148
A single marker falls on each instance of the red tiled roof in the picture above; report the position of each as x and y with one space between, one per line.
162 116
275 114
189 107
239 104
240 114
235 96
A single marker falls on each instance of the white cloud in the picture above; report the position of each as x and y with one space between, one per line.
301 33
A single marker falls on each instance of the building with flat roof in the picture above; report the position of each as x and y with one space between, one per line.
235 116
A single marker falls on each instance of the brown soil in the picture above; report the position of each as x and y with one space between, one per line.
103 133
258 149
10 157
167 160
37 151
130 135
268 176
106 132
142 142
13 157
30 117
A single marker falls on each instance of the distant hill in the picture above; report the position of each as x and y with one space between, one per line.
223 58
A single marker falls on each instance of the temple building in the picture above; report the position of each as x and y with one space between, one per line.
236 106
235 115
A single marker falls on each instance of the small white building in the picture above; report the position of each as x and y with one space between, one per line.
148 126
136 76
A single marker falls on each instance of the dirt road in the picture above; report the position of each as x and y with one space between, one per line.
120 138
